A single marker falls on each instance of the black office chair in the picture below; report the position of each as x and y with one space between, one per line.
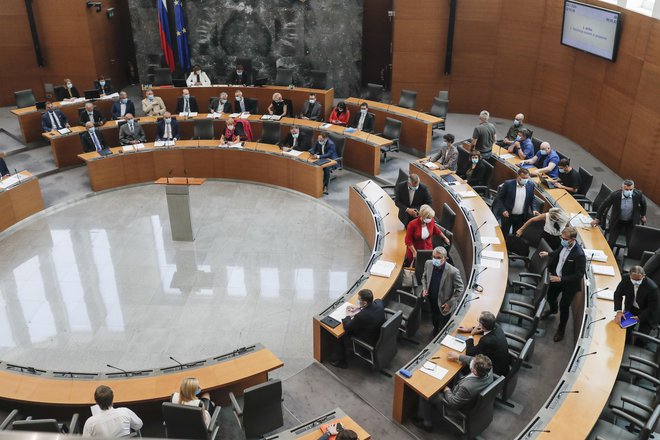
593 206
270 133
519 327
319 79
380 354
422 257
606 431
374 92
444 95
402 177
8 419
410 306
162 77
651 265
253 104
259 409
24 98
484 190
340 145
284 77
645 360
247 69
517 246
536 142
47 425
533 233
408 99
633 399
562 155
524 297
187 422
391 131
59 92
309 137
586 179
511 379
534 266
642 239
289 108
473 422
203 129
463 162
439 109
447 218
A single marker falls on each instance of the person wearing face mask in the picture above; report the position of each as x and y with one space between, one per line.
239 76
516 199
230 135
409 197
522 146
639 295
340 114
363 322
512 134
447 156
91 114
242 104
628 208
483 136
122 107
567 266
191 394
295 140
492 344
476 172
220 104
569 178
92 139
363 120
104 86
131 133
325 148
420 233
546 161
153 105
197 77
278 107
69 92
443 286
53 119
167 128
555 222
186 103
312 109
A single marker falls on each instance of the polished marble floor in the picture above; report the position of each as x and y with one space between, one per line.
101 282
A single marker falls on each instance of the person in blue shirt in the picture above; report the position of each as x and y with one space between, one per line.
546 161
522 146
324 149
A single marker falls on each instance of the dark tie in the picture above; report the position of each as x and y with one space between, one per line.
310 107
198 80
96 142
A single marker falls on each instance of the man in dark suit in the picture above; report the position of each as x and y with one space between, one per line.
443 285
296 140
186 103
220 104
492 343
103 85
242 104
131 132
362 322
410 196
363 120
92 139
311 109
462 396
123 106
239 76
325 148
628 209
517 203
567 266
168 128
91 114
638 295
3 165
53 119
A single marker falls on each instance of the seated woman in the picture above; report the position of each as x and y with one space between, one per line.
476 172
555 222
278 106
420 232
191 394
69 93
340 114
447 156
230 135
197 77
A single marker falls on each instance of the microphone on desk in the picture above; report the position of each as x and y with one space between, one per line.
470 300
476 285
185 174
483 249
570 219
168 176
388 233
597 291
180 364
118 369
378 200
529 433
383 217
562 196
593 322
477 230
368 182
568 392
18 176
583 355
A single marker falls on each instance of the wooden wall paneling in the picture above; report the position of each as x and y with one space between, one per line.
199 163
641 151
166 161
611 126
376 38
648 92
139 167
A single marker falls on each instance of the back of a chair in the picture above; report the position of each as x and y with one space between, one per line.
42 425
262 408
408 99
562 155
586 178
270 133
447 218
401 177
374 92
24 98
517 246
289 107
284 77
59 92
203 129
537 264
444 95
488 176
439 108
254 103
184 422
536 142
643 238
309 136
319 79
481 415
162 76
533 233
541 288
652 268
340 143
651 425
603 194
511 379
386 346
392 129
463 162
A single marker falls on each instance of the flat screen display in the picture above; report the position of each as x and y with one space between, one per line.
591 29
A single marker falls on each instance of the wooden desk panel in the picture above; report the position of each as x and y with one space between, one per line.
314 433
20 201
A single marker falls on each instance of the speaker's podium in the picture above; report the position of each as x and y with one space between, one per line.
177 190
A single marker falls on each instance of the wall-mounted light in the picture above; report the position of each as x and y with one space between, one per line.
96 5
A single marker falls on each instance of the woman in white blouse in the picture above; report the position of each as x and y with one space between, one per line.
197 77
555 222
191 394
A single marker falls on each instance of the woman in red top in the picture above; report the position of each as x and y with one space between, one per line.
420 232
340 114
230 135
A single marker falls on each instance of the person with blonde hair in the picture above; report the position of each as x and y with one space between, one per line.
278 106
230 135
190 393
555 222
420 232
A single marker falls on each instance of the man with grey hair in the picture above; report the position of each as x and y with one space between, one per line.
628 209
220 104
512 134
483 136
637 294
409 197
443 286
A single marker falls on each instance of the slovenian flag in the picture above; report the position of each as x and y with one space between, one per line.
164 29
181 35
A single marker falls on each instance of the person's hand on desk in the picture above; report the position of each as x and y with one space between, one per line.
332 429
462 329
453 356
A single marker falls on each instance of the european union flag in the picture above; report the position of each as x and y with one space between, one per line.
181 35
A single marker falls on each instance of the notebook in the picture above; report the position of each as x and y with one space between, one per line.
627 320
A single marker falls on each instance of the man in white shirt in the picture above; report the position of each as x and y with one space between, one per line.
110 422
516 201
363 120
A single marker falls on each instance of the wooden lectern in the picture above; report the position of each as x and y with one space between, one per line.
178 205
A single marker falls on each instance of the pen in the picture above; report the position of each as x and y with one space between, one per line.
437 357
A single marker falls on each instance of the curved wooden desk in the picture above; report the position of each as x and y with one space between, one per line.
312 430
20 201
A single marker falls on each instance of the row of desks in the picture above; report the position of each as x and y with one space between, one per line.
20 201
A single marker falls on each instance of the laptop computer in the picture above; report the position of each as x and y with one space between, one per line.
179 82
92 94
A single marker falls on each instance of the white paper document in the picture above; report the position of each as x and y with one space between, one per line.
324 126
493 255
580 220
63 131
602 270
170 143
138 146
244 115
11 181
214 115
187 114
507 156
431 166
433 370
382 268
606 294
489 240
453 343
159 144
595 255
127 148
467 194
485 262
112 95
234 115
340 312
294 153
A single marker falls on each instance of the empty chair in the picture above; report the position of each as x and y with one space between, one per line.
423 256
634 399
259 409
289 108
439 109
484 190
340 144
651 265
463 162
203 129
520 299
646 360
534 265
586 179
511 379
380 354
408 99
24 98
391 131
447 218
561 155
605 430
643 238
284 77
402 177
444 95
592 206
46 425
410 307
319 79
187 422
520 327
270 133
374 92
533 233
309 136
516 246
59 92
162 76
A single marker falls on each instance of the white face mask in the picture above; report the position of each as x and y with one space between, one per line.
636 282
427 220
69 85
186 96
239 98
364 112
312 101
168 120
294 135
230 127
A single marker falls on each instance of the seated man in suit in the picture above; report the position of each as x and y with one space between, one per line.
122 107
362 322
91 114
311 109
131 132
567 266
639 295
492 344
462 396
3 165
325 148
628 209
92 139
110 422
242 104
295 140
153 105
103 86
70 92
443 286
168 128
410 196
198 77
522 146
447 155
53 119
363 120
546 161
239 76
516 198
220 104
186 103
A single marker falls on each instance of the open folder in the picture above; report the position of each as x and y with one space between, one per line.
627 320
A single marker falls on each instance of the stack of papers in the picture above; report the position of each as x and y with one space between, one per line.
11 181
453 343
73 101
234 115
489 240
340 312
269 117
507 156
595 255
214 115
433 370
382 268
63 131
606 294
159 144
127 148
580 220
113 95
602 270
187 114
244 115
326 125
295 153
493 255
431 166
467 194
138 146
485 262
